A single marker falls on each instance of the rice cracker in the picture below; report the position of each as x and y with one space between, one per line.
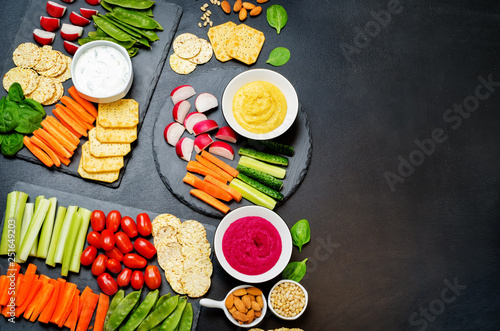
99 149
219 36
45 89
107 135
57 95
27 55
186 45
245 44
205 53
27 78
94 164
66 74
47 60
58 67
123 113
180 65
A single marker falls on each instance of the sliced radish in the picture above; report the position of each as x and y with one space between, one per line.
71 32
180 111
55 9
70 47
173 133
68 1
88 13
50 23
93 2
227 134
193 118
43 37
205 101
184 148
205 126
202 142
182 92
78 19
222 148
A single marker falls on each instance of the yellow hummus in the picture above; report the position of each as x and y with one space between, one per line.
259 107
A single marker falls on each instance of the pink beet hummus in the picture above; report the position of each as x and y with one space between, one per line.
251 245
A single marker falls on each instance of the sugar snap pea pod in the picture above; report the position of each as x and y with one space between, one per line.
172 321
132 51
132 4
136 19
106 5
161 300
187 318
149 34
117 298
123 309
112 30
120 26
141 312
159 314
126 44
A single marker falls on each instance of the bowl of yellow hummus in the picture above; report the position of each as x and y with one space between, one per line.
260 104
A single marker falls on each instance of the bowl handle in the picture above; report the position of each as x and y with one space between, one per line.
212 303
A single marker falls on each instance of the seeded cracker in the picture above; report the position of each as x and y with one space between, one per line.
48 59
25 77
123 113
106 135
181 66
205 53
26 55
107 177
57 95
219 36
245 44
58 67
186 45
93 164
66 74
98 149
44 90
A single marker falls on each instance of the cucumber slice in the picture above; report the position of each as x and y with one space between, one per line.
261 177
252 194
263 188
269 158
267 168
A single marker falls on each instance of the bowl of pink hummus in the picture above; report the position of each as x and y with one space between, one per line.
253 244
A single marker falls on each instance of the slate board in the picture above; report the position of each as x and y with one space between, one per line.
85 277
172 169
147 65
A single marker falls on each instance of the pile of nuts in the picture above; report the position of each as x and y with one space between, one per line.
288 299
243 8
245 304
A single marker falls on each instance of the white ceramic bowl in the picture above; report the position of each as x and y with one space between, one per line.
105 92
274 311
276 221
260 75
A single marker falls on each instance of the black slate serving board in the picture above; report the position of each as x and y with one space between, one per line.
172 169
147 65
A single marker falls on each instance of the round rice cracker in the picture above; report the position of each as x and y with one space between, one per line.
186 45
195 284
26 55
27 78
201 263
181 66
47 60
167 224
173 274
66 74
205 53
58 67
44 91
167 253
191 232
57 95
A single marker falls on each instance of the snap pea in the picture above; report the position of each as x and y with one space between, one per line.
111 29
149 34
136 19
133 34
161 300
125 44
159 314
172 321
187 318
117 298
132 4
132 51
141 312
106 5
123 309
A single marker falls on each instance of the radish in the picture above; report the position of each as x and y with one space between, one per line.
180 111
202 142
173 133
184 148
205 126
70 47
71 32
43 37
50 23
227 134
205 101
78 19
68 1
88 13
55 9
182 92
93 2
193 118
221 148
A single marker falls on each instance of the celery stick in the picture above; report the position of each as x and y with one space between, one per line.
46 233
61 213
29 210
33 230
10 214
35 245
20 205
252 194
70 243
63 236
80 240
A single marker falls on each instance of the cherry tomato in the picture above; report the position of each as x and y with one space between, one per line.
144 224
113 220
88 255
115 253
134 261
137 280
98 220
99 265
129 226
107 284
123 242
123 278
152 277
145 248
94 239
113 265
107 240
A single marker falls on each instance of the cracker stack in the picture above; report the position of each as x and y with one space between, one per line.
189 51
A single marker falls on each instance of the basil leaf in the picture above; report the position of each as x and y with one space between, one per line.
35 105
278 56
301 233
12 143
9 117
29 120
277 17
295 271
16 93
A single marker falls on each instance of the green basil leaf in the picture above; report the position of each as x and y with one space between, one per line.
16 93
277 17
301 233
9 117
29 120
12 143
279 56
35 105
295 271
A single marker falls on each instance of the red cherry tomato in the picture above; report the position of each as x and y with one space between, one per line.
113 265
98 220
99 265
134 261
94 239
88 255
113 220
152 277
107 240
115 253
145 248
144 225
123 278
137 280
123 242
129 226
107 284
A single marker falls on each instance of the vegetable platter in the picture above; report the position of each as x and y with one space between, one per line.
148 63
172 168
85 278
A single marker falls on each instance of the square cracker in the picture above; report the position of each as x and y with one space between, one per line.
99 149
107 177
106 135
219 36
123 113
99 164
245 44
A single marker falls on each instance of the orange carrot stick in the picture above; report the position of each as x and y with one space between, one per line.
73 316
69 122
74 139
221 164
206 187
197 167
63 304
38 142
89 106
48 310
89 306
210 200
4 285
102 309
29 275
35 308
235 194
58 136
86 292
34 289
12 274
214 167
53 143
38 152
77 109
7 311
74 116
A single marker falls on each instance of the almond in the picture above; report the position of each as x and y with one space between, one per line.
240 306
256 11
262 1
246 301
243 14
240 292
229 301
250 316
226 7
258 313
260 302
254 291
256 306
240 317
232 309
248 5
237 6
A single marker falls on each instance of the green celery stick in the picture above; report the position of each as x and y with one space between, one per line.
29 210
35 245
61 213
63 236
70 243
20 205
80 240
10 214
46 233
33 230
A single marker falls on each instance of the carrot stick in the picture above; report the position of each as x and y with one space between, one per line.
38 142
89 306
71 113
77 109
64 160
59 136
52 142
4 285
63 304
74 139
35 307
101 311
206 187
38 152
197 167
85 294
210 200
214 167
89 106
7 311
221 164
51 304
12 274
29 275
69 122
73 316
235 194
34 289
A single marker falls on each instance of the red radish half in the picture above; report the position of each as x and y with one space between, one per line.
205 126
68 1
50 23
221 148
93 2
180 111
43 37
184 148
193 118
88 13
78 19
70 47
205 101
55 9
173 133
182 92
227 134
71 32
202 142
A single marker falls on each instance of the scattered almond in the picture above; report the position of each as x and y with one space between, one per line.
243 14
237 6
248 5
256 11
226 7
262 1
